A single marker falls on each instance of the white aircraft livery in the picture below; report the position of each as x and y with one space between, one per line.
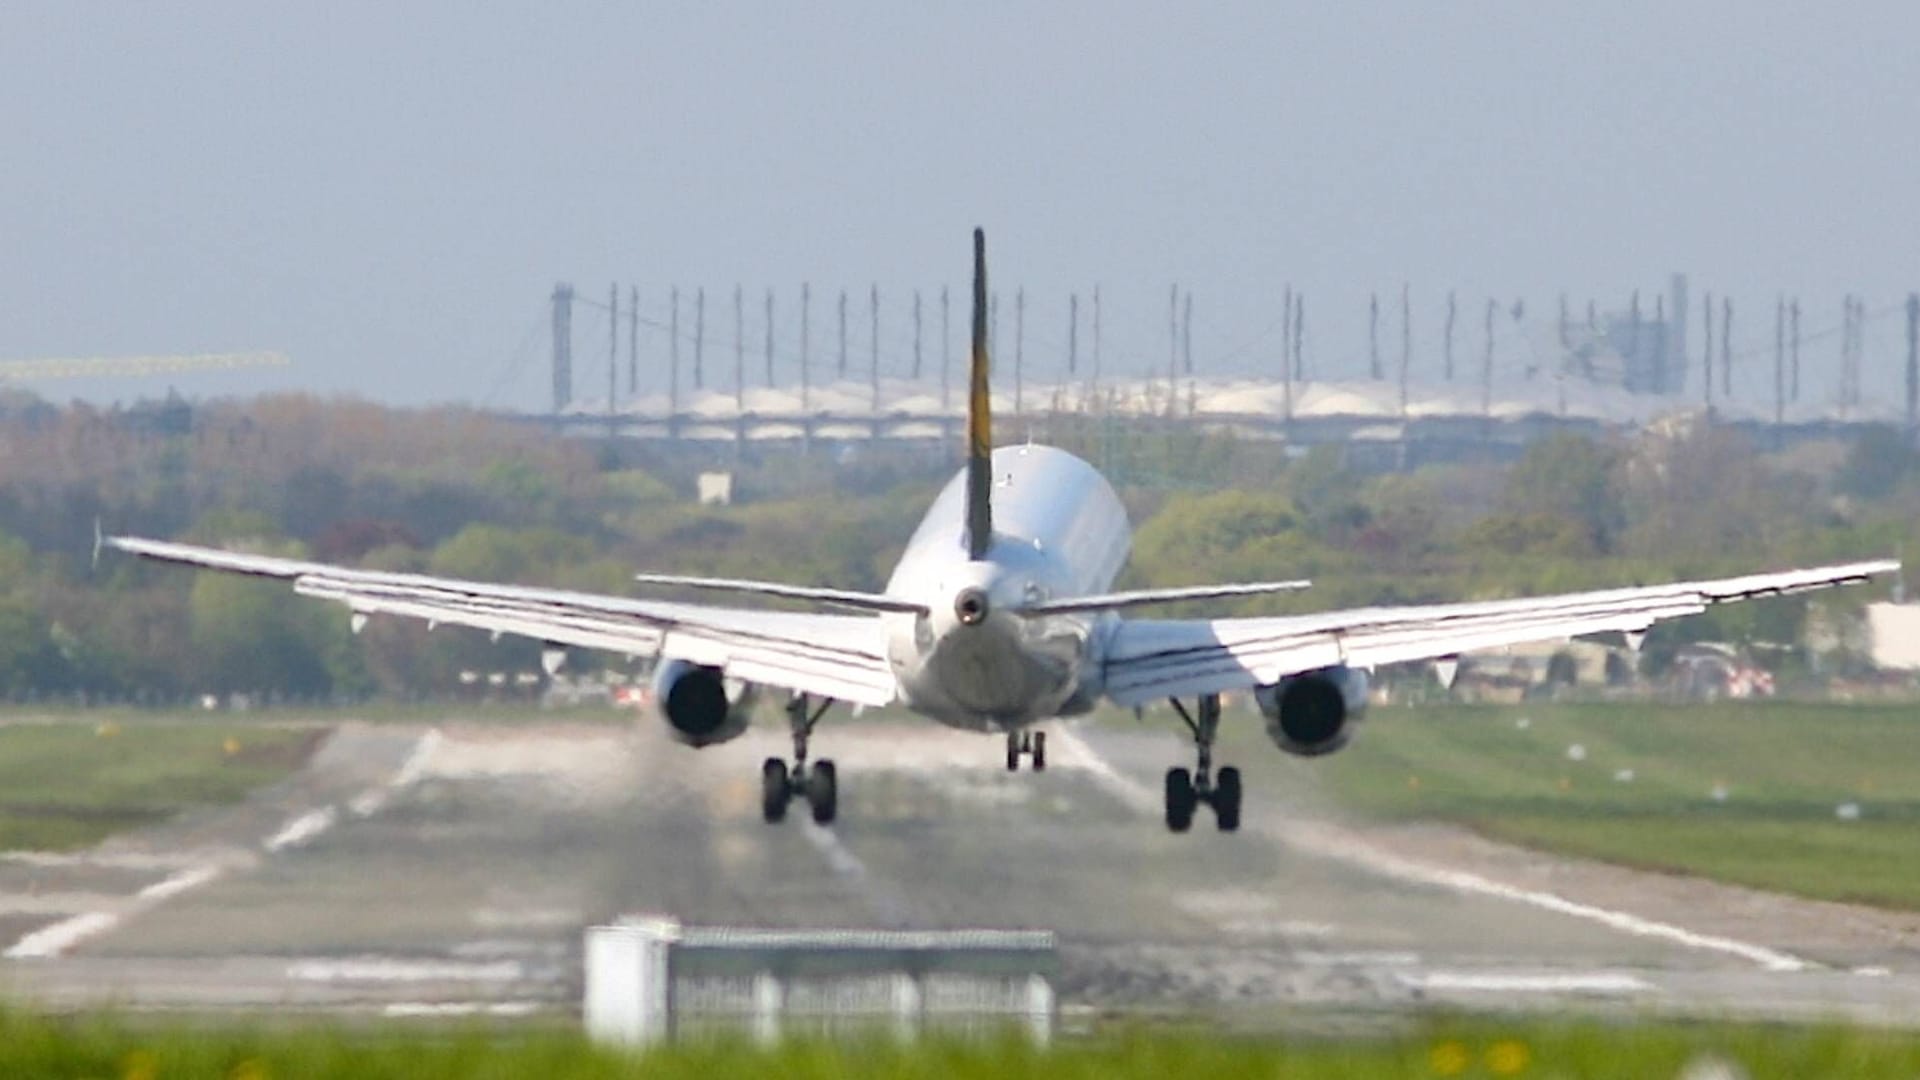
1000 616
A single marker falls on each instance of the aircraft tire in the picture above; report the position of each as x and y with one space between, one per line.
1013 753
823 792
1181 799
1226 799
1039 751
775 791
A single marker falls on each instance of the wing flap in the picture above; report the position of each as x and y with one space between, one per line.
837 656
1139 597
1161 658
857 601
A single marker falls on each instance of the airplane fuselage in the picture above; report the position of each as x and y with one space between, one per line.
972 662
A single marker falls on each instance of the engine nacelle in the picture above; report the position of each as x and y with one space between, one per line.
1314 713
700 705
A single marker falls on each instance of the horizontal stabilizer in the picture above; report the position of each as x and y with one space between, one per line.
1139 597
843 598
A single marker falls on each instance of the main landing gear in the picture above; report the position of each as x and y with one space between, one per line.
1031 744
780 785
1187 790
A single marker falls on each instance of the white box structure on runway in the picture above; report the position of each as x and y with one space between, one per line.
649 979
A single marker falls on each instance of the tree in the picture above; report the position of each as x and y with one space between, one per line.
1572 478
1876 463
28 659
1555 536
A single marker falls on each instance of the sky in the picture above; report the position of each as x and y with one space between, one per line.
389 192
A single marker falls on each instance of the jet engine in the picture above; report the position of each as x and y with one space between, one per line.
699 704
1314 713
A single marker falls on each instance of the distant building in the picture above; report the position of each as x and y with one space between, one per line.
716 488
1711 670
1893 633
1642 349
1535 670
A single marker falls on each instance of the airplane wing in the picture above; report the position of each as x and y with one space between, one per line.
838 656
1149 659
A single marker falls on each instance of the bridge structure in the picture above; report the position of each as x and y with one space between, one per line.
1374 422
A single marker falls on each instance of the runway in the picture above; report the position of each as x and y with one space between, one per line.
449 870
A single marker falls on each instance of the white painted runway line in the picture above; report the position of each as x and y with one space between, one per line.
375 799
886 902
190 878
302 829
384 970
417 759
50 941
1372 958
1342 846
119 861
54 940
1497 982
432 1009
58 938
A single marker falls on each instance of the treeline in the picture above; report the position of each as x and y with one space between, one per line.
454 492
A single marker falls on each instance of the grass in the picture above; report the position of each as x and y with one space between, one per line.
68 785
32 1045
1640 789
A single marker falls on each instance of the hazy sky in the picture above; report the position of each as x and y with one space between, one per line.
389 191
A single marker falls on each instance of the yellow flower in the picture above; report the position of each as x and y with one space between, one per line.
1508 1057
1449 1058
140 1065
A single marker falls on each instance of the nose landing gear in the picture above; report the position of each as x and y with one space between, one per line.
1187 790
819 785
1030 744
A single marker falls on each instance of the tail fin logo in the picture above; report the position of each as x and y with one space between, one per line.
979 416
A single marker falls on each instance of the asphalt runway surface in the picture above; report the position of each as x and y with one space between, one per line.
450 870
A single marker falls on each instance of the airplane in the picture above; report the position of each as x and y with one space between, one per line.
1000 616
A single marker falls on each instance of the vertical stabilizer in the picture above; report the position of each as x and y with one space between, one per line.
979 416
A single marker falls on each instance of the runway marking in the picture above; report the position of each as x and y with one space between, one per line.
58 938
126 861
373 800
191 878
1349 849
416 762
1598 982
391 971
303 828
51 941
51 904
521 918
460 1008
1357 958
887 903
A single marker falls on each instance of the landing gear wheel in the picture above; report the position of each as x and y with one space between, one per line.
1013 752
1181 799
1039 751
1186 790
775 791
823 792
1226 799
